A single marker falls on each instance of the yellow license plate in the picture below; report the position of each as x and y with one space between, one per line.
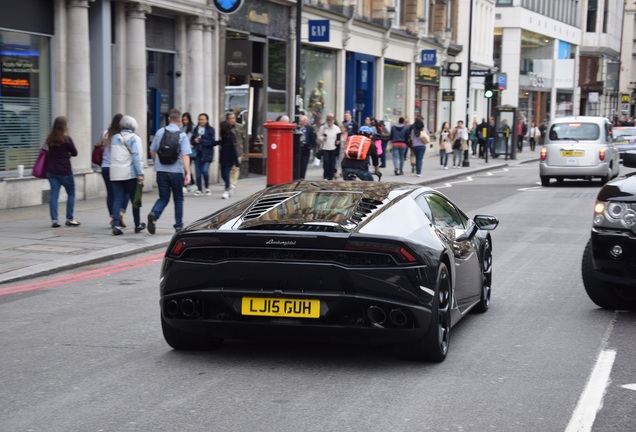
575 153
280 307
621 142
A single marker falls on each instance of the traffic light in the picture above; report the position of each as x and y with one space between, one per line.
489 87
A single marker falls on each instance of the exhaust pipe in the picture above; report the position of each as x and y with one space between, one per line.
376 315
398 317
172 307
187 308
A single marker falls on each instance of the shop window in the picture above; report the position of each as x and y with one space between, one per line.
25 101
591 16
394 92
277 80
318 82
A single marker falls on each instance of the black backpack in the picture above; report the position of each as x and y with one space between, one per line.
169 147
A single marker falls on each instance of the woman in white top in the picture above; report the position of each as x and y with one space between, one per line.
329 141
533 135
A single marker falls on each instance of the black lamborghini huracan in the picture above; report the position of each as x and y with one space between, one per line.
379 263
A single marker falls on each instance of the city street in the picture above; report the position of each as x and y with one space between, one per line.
83 349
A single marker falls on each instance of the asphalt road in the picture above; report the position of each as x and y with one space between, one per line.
85 353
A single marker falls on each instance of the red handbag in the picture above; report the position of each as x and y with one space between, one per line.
40 165
98 154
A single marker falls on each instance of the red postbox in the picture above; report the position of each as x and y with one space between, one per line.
280 152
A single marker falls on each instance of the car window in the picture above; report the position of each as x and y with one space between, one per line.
423 204
444 214
623 131
575 131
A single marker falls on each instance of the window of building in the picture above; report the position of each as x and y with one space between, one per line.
504 2
426 105
394 91
25 97
605 19
318 82
277 79
592 7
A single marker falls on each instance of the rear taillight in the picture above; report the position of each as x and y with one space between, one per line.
398 252
601 154
182 244
544 153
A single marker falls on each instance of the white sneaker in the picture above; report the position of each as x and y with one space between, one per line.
208 192
226 195
197 193
185 189
445 167
232 187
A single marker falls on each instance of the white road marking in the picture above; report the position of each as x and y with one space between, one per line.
532 189
629 386
591 400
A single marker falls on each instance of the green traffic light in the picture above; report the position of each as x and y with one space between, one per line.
488 94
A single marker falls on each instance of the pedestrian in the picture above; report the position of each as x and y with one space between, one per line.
229 152
203 140
460 140
329 140
59 171
522 131
187 127
383 136
492 134
350 123
543 127
241 139
126 170
482 137
533 136
105 139
399 137
445 146
171 156
419 139
473 136
358 149
307 144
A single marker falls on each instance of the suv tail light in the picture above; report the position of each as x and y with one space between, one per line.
544 154
601 154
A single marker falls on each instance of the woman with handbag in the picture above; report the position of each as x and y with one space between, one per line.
420 139
187 127
203 141
107 135
59 171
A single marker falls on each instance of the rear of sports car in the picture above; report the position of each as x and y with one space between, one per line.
271 273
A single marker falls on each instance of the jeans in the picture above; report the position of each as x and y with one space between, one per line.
418 151
457 155
225 175
383 155
443 158
167 182
110 194
491 146
304 160
329 163
361 174
124 191
56 182
202 173
398 157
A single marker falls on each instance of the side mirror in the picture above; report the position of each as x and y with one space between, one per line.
629 159
486 222
469 233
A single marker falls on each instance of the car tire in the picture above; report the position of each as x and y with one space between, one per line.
603 294
185 341
433 346
486 274
545 181
606 178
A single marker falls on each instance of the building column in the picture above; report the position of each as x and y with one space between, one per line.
78 82
59 60
197 57
208 33
136 93
180 96
119 59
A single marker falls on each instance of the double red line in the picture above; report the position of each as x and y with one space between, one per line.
79 277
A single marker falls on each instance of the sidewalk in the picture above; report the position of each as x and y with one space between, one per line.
32 248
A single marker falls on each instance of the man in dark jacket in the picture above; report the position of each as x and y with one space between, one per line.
482 137
399 138
360 167
307 144
350 123
492 134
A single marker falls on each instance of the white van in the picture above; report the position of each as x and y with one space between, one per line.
579 147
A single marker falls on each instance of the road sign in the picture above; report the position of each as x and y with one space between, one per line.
502 80
454 69
479 73
429 58
318 30
227 6
448 96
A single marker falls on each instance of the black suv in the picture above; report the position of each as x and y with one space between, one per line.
609 260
